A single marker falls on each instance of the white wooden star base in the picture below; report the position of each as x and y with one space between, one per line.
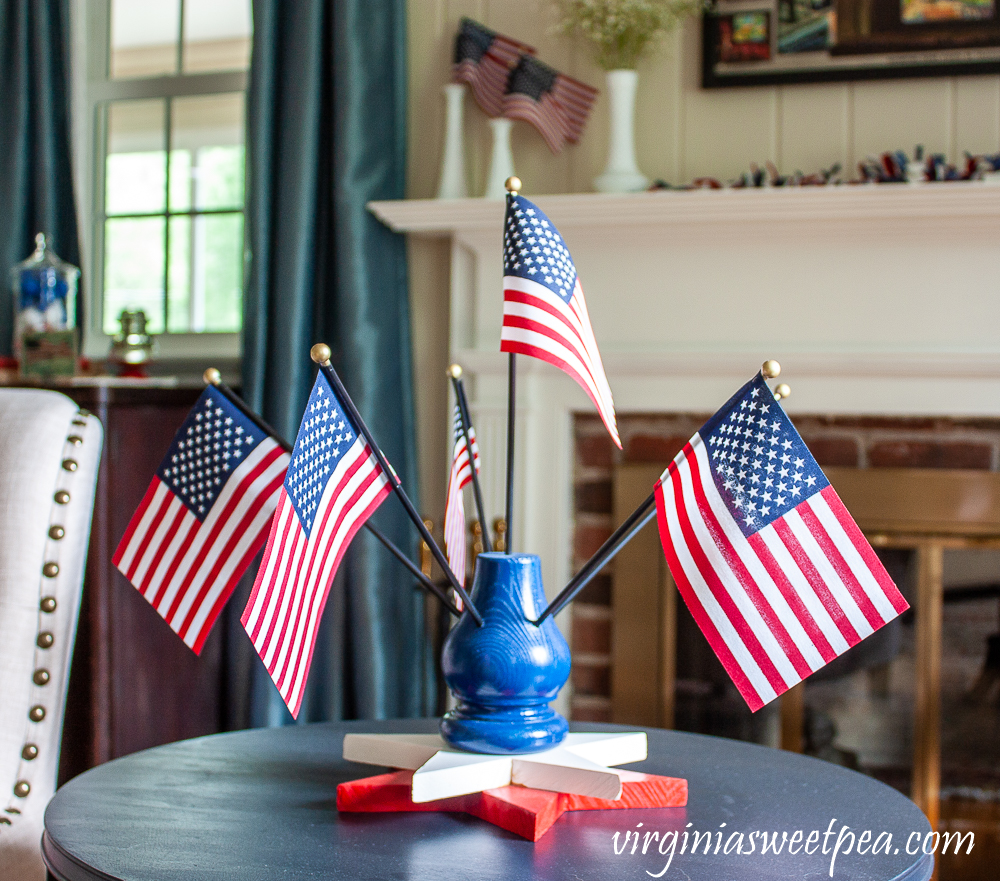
579 765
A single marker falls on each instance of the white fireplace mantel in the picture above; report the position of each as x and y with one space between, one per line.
875 299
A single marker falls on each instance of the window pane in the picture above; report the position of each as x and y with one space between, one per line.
144 37
133 270
216 35
179 281
217 273
136 162
208 130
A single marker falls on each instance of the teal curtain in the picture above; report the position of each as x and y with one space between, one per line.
326 134
36 184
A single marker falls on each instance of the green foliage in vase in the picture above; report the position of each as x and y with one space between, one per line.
622 30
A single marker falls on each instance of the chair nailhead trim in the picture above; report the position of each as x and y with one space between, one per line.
47 604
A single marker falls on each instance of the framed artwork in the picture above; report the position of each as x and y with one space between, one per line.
759 42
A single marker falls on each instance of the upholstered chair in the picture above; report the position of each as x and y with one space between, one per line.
49 458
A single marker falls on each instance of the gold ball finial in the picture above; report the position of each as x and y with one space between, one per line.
320 353
212 376
770 368
455 371
513 185
782 391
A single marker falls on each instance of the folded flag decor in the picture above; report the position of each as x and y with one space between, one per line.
204 516
454 511
334 484
555 104
544 310
484 60
770 563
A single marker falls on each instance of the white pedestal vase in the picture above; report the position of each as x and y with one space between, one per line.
622 175
502 160
451 184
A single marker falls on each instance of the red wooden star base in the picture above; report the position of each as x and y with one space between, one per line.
525 812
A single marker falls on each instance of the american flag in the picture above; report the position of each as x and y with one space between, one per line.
544 311
555 104
484 59
454 511
204 516
770 563
334 484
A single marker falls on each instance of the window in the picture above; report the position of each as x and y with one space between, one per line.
163 116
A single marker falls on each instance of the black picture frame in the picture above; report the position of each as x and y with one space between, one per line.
859 40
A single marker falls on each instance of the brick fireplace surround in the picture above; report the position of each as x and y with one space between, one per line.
852 442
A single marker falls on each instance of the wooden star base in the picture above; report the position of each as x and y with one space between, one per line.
525 812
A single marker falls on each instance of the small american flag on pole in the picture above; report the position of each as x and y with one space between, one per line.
483 60
544 311
770 563
204 516
555 104
334 484
454 511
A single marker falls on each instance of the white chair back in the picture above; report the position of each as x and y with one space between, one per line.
50 455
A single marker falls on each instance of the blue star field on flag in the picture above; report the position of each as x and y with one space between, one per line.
325 434
533 249
760 464
213 440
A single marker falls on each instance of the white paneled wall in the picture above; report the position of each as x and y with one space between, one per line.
682 131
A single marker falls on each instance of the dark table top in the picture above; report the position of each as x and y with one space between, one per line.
261 804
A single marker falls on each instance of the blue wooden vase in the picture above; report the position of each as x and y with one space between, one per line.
504 674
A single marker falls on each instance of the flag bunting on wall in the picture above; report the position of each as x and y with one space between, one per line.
770 563
544 310
555 104
334 484
204 516
484 60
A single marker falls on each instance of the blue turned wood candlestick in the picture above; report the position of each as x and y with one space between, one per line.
504 673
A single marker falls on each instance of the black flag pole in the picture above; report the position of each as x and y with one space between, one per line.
455 372
213 377
619 538
582 578
320 353
513 184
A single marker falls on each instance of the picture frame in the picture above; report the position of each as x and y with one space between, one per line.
765 42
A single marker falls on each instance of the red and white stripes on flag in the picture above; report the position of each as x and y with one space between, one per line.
334 484
544 310
555 104
454 511
203 518
771 565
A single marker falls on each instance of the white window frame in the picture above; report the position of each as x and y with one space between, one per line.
90 88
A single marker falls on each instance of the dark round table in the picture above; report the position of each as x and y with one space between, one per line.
261 804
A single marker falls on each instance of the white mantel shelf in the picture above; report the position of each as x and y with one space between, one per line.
880 299
961 199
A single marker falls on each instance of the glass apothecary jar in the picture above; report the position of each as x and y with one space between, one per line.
45 290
